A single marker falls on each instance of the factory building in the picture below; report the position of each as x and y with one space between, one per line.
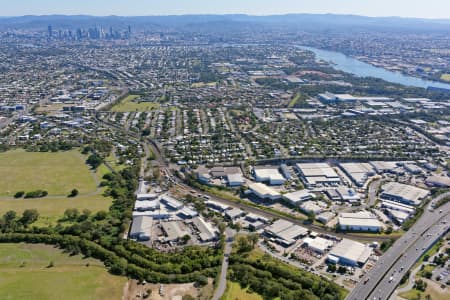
350 253
360 221
264 192
403 193
313 174
141 228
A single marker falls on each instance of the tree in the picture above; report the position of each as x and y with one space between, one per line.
186 238
253 239
331 268
29 216
187 297
237 226
19 194
201 280
9 216
101 215
73 193
94 161
222 227
71 214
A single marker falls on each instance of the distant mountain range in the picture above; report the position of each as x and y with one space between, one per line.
308 22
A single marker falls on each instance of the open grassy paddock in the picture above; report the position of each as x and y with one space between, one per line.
58 172
235 292
24 274
128 105
51 209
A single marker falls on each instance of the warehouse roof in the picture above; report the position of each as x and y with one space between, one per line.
351 250
406 192
318 243
298 196
263 189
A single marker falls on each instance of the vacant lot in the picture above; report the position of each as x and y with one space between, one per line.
24 274
433 289
235 292
58 173
51 209
128 105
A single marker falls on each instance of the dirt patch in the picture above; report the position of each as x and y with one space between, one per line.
133 291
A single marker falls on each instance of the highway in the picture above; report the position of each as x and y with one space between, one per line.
422 235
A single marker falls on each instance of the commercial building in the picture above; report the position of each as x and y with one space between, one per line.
318 244
392 167
325 217
216 206
284 232
141 228
314 174
173 231
313 207
351 253
438 181
347 194
234 180
358 172
146 196
268 175
234 214
360 221
403 193
264 192
206 232
297 197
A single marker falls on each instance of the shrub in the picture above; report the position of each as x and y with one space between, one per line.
19 194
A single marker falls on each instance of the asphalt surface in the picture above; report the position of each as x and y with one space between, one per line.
372 192
222 286
422 235
249 208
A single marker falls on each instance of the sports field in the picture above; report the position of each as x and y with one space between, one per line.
58 173
24 274
128 105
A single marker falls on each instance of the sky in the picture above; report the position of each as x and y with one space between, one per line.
402 8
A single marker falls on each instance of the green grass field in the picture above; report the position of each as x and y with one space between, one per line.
294 101
235 292
128 105
445 77
51 209
24 275
58 173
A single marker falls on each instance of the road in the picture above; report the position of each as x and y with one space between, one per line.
154 147
372 192
222 286
403 251
392 279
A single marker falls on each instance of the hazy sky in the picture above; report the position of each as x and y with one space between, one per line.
404 8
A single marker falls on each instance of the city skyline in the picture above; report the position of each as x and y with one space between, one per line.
433 9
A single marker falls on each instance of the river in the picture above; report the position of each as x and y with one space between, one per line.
351 65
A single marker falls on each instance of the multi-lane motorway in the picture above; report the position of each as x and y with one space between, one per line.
383 278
